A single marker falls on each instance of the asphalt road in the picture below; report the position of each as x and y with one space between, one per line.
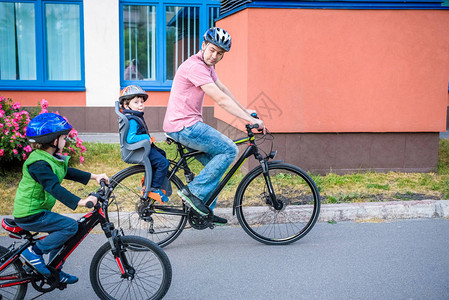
406 259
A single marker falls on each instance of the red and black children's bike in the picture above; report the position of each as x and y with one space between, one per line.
128 267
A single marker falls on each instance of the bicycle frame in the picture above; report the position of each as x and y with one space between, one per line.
251 149
85 225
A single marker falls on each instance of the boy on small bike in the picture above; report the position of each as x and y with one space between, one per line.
40 187
132 100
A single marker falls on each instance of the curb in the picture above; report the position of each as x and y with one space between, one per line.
385 210
370 211
359 212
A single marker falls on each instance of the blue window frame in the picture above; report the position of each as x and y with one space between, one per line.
157 36
42 45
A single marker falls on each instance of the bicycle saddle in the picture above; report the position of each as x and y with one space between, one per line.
14 229
169 140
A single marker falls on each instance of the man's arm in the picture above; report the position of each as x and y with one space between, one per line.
225 90
227 101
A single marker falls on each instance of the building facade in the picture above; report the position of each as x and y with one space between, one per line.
343 86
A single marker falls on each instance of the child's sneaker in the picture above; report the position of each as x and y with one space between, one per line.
37 261
158 194
67 278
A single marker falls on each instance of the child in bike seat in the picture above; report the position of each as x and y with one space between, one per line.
132 100
40 187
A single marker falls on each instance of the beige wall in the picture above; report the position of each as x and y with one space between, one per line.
101 40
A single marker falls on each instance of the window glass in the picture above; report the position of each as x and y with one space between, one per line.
139 24
182 34
158 36
62 24
18 44
213 14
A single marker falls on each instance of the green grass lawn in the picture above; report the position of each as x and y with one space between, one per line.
357 187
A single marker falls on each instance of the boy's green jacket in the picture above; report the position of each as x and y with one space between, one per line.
31 198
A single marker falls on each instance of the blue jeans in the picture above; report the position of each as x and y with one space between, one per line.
59 227
219 152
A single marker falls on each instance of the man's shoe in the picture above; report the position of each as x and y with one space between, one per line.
193 201
67 278
158 194
219 221
37 261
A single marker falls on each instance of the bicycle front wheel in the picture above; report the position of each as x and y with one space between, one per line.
13 272
160 223
299 211
151 270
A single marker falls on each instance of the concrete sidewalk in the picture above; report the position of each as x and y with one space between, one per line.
112 138
360 212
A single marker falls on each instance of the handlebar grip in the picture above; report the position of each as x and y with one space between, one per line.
89 204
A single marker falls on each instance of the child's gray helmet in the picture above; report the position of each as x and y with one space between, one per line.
132 91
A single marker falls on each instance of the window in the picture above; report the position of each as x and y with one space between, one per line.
41 45
155 38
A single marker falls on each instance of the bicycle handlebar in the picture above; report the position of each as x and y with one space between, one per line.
99 194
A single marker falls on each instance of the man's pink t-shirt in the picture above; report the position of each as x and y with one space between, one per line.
185 105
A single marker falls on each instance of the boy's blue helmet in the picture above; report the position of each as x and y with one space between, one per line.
47 127
219 37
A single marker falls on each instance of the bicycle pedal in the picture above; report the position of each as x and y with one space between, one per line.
156 197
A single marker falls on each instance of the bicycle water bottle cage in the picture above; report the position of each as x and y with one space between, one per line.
136 153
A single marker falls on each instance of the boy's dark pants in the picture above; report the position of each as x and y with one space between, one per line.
160 166
59 227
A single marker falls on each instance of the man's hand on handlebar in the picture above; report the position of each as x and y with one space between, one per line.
259 122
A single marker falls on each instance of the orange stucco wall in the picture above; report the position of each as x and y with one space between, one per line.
309 70
32 98
161 99
78 99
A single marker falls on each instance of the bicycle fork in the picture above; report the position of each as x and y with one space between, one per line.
277 204
118 251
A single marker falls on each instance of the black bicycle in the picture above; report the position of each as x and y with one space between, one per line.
125 267
275 203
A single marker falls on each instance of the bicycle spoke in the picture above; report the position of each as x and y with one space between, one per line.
161 223
152 274
12 273
298 195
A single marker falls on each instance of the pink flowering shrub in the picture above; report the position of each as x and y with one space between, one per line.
13 121
13 144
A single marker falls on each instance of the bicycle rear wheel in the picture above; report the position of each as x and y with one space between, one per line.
13 271
160 223
151 277
300 204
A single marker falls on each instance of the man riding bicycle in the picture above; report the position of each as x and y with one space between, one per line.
183 121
